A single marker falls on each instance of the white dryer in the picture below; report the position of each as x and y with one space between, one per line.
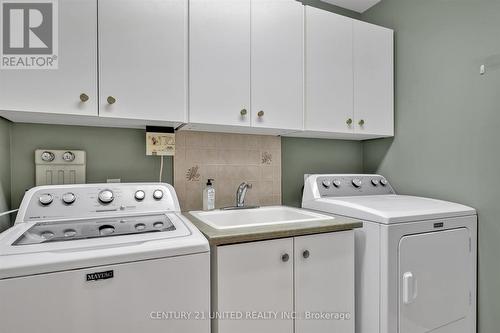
416 257
103 258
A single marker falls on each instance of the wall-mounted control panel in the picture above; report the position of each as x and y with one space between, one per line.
58 167
351 185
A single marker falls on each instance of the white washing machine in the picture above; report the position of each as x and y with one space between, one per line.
416 257
104 258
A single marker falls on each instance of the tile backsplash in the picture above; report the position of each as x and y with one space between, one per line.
230 159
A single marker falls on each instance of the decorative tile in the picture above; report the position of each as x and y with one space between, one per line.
230 159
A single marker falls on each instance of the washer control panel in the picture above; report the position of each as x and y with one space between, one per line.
352 185
95 200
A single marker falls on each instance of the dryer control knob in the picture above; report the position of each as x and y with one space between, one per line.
357 182
384 182
375 182
106 196
158 194
46 199
327 183
336 183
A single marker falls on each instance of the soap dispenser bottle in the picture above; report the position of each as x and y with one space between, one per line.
209 196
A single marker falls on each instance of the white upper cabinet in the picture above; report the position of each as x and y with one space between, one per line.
277 64
70 89
329 72
220 62
143 59
373 79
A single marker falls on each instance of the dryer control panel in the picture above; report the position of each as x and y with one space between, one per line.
341 185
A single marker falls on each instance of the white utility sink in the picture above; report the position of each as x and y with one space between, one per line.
243 218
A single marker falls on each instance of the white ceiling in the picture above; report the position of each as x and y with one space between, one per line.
355 5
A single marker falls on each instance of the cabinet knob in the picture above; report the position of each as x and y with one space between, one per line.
243 112
285 257
349 122
84 97
361 122
260 114
306 254
111 100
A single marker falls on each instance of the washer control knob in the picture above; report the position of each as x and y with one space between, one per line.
336 183
327 183
357 182
140 195
106 196
384 182
106 230
158 194
375 182
46 199
68 198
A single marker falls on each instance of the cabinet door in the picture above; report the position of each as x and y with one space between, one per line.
324 282
59 90
277 64
143 59
219 62
254 277
329 72
373 79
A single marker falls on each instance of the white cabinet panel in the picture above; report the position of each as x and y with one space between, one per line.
220 62
254 277
143 59
58 91
373 79
329 72
432 296
277 64
324 281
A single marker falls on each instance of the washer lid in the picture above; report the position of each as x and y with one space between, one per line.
389 209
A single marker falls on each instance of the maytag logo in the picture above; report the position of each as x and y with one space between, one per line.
100 276
29 37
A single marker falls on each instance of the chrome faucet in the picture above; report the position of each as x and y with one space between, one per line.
241 193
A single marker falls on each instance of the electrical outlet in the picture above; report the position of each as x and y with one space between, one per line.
160 144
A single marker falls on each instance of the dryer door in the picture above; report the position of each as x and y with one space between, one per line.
434 282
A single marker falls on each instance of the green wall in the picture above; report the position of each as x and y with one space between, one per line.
111 153
447 118
5 127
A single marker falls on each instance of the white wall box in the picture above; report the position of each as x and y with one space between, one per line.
307 273
246 66
373 79
349 78
142 66
58 91
143 59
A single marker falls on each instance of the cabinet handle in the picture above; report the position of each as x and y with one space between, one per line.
349 122
361 122
243 112
260 114
285 257
84 97
111 100
306 254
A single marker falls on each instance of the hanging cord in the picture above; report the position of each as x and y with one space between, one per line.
161 167
9 212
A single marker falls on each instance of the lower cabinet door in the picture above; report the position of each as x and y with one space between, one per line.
324 283
254 283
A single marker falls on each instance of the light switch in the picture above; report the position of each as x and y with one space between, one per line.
482 69
57 167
